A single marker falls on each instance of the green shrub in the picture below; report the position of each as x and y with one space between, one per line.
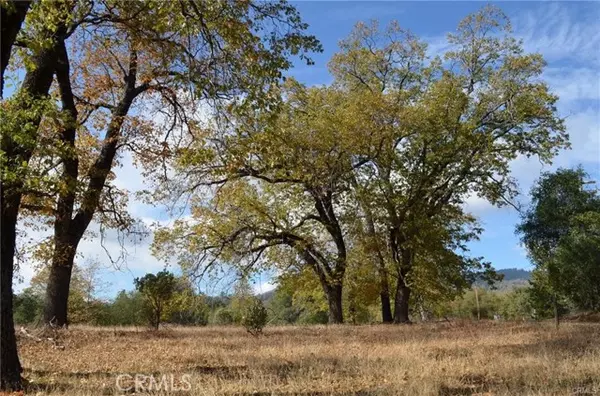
255 317
223 316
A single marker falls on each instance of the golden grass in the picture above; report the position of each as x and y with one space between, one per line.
426 359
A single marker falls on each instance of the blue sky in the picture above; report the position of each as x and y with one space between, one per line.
567 34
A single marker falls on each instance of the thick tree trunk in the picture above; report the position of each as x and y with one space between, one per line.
334 300
10 24
65 241
402 299
386 307
384 294
401 303
10 367
57 290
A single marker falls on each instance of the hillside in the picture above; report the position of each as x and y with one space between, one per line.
513 277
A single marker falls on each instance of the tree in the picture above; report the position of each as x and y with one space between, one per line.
157 290
169 54
578 261
241 299
21 115
185 306
265 165
128 308
12 15
446 129
559 231
27 307
255 317
282 308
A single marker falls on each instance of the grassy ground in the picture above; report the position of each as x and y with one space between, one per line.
430 359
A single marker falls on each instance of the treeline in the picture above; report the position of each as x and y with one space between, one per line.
184 306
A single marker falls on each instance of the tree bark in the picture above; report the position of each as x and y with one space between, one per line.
10 367
401 303
57 291
10 25
386 307
334 301
402 298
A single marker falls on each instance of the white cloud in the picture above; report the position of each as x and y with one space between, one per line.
263 287
572 84
584 131
477 205
553 30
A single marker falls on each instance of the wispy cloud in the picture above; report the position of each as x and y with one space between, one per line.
561 31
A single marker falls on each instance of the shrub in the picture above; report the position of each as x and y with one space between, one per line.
223 316
255 317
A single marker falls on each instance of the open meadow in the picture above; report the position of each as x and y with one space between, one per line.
458 358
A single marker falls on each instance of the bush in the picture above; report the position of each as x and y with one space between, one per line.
27 307
223 316
255 317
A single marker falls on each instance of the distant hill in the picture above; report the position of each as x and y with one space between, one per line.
511 274
513 277
266 296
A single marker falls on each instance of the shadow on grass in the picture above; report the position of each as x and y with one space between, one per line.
309 393
574 344
471 384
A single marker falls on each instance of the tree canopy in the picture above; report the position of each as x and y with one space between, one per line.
560 233
388 153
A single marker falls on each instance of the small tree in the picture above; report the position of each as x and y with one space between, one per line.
157 290
255 317
241 299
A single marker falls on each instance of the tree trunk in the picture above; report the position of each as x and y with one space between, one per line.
10 367
10 25
65 240
386 307
556 313
57 290
334 300
404 260
36 83
401 302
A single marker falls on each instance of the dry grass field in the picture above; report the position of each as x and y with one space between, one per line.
430 359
